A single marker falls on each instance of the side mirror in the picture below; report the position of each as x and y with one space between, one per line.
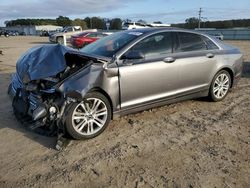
133 55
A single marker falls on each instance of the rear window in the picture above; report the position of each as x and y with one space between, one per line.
92 35
82 34
190 42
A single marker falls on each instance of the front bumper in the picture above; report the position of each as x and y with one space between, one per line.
25 104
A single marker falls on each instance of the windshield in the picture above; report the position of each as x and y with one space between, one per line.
109 45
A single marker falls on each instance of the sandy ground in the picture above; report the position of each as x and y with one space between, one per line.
194 143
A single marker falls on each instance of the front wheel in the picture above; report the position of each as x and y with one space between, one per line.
88 118
220 86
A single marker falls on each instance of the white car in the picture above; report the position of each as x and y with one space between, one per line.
138 25
133 25
64 36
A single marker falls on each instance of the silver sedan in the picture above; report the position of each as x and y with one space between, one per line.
129 71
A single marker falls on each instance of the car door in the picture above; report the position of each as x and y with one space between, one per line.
151 78
196 61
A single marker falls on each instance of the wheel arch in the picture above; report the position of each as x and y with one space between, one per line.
231 73
58 37
100 90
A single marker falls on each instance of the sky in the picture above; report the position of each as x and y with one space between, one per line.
166 11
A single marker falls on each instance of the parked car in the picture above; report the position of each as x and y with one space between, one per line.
22 33
44 33
139 25
85 38
134 25
219 36
58 37
4 33
129 71
14 33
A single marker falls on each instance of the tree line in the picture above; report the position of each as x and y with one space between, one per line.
116 23
88 22
192 23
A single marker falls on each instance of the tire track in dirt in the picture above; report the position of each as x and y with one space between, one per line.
196 124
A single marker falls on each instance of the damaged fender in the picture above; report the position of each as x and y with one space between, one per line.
51 77
96 76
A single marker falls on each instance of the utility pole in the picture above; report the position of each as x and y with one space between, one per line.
200 11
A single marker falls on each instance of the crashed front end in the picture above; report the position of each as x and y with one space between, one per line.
37 104
37 88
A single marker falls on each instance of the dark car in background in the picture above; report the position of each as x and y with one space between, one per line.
44 33
8 33
126 72
85 38
4 33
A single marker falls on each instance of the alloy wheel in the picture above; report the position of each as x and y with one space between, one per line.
89 116
221 85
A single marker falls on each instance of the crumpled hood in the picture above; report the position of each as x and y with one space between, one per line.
42 62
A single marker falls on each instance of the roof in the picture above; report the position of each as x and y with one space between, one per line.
156 29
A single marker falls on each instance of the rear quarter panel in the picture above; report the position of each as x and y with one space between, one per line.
228 59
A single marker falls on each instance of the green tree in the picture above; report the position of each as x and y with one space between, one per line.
97 23
63 21
116 24
87 20
79 22
192 23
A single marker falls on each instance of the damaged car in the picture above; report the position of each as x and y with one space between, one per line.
80 92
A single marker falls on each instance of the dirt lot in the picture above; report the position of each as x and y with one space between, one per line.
189 144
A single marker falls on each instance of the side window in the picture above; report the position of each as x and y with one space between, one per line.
70 29
77 29
190 42
92 35
100 35
155 45
210 44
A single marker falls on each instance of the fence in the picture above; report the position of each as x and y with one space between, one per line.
229 34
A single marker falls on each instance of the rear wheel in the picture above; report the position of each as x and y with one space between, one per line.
59 40
88 118
220 86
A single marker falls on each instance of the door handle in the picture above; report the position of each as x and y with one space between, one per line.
210 55
169 60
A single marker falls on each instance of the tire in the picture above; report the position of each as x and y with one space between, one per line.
220 86
88 118
59 40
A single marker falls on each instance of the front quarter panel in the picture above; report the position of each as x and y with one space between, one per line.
95 76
